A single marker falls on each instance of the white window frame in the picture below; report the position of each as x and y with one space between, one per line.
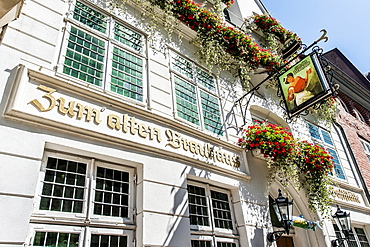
366 146
88 206
211 228
326 145
85 233
354 234
198 89
228 240
110 43
55 228
117 232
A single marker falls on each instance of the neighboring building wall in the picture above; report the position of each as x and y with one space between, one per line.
356 131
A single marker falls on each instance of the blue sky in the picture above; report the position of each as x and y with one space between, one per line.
347 24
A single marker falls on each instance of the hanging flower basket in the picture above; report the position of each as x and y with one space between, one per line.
304 164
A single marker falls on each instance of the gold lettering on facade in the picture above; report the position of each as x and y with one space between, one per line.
142 130
114 122
89 113
62 108
346 195
155 132
48 96
133 124
175 140
130 124
125 123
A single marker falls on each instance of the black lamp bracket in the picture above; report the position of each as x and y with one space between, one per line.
338 242
274 236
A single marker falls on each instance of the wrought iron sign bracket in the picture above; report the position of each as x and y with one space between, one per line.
243 102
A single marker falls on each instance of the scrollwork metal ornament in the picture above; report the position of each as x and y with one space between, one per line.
243 102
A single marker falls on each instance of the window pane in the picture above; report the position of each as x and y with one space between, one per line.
182 66
211 113
111 195
59 186
90 17
84 57
337 166
314 131
128 37
56 239
108 240
352 241
221 210
198 208
361 235
200 243
127 74
326 137
206 80
225 244
186 101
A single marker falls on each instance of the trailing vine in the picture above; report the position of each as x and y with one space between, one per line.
270 25
235 49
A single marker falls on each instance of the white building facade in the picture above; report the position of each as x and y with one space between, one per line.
113 138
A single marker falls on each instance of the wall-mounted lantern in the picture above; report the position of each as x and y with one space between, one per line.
284 210
343 220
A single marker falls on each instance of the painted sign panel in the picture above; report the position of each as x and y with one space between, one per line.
304 85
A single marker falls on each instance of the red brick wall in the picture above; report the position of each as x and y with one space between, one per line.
356 130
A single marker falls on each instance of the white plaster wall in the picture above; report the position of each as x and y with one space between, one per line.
35 39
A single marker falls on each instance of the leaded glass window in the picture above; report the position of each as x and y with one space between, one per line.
106 53
85 57
90 17
186 101
362 238
196 96
210 210
337 167
211 113
357 236
65 188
